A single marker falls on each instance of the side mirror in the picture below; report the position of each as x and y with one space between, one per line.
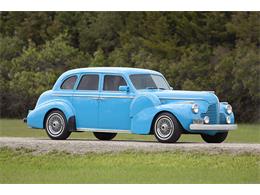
124 88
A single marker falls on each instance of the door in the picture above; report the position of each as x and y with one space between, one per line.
114 105
85 101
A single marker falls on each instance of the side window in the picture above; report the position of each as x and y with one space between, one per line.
69 83
89 82
112 82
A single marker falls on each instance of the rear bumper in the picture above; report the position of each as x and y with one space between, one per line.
213 127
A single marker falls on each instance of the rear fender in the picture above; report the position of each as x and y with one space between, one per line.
35 118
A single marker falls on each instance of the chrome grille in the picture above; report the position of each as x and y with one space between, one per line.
222 118
212 113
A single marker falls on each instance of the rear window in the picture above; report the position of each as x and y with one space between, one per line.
69 83
89 82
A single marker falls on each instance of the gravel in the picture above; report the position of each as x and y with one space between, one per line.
80 146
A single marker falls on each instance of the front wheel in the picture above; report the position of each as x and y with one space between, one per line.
104 136
217 138
166 128
56 125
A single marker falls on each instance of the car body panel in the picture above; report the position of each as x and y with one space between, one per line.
114 111
86 106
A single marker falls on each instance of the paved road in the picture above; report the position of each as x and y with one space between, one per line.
80 146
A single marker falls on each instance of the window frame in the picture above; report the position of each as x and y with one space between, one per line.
111 74
149 74
84 74
66 78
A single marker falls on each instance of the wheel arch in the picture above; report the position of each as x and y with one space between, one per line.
155 117
71 121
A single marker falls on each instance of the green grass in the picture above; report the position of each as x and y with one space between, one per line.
22 166
246 133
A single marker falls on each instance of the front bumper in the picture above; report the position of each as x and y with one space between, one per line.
213 127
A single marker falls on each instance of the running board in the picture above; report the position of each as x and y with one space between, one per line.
103 130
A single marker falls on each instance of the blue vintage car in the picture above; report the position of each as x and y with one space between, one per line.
107 101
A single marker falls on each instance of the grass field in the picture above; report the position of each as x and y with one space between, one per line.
246 133
165 167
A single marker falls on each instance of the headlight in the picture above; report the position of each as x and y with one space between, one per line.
195 108
228 119
228 109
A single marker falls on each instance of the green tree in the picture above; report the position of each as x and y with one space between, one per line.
195 51
36 70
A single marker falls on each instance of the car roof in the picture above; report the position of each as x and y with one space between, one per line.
122 70
109 70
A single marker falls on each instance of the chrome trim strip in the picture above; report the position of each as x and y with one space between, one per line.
93 96
213 127
129 97
63 95
169 98
83 95
104 130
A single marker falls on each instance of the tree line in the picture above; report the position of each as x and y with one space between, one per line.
194 50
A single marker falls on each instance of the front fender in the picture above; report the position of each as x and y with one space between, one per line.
142 121
142 102
223 114
35 118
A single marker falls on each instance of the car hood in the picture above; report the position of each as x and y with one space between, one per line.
210 97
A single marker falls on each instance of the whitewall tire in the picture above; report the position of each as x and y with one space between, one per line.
56 125
166 128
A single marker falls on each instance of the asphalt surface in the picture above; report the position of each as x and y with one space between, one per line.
80 146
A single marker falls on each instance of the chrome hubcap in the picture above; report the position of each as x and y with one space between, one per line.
164 127
55 124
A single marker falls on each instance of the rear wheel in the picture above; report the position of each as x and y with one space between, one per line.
217 138
56 125
166 128
104 136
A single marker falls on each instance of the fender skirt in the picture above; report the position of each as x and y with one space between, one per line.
72 124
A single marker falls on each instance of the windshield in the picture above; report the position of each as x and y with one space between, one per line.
149 81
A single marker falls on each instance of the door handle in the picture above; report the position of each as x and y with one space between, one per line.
97 98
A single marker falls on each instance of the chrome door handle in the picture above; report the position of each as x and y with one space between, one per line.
97 98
